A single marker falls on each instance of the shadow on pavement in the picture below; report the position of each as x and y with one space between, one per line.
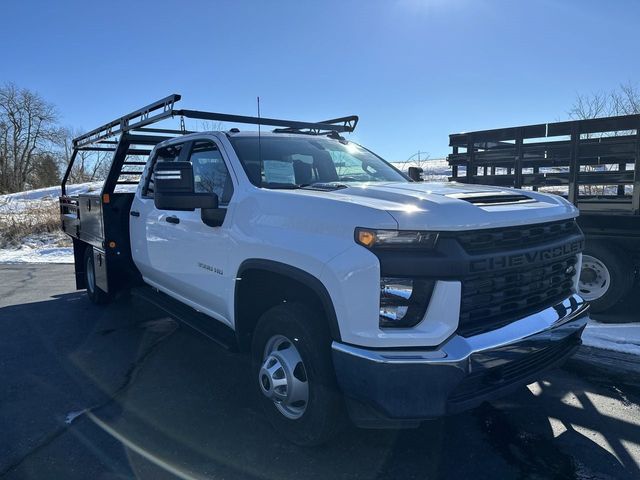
153 399
628 310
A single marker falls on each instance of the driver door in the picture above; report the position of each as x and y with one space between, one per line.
187 258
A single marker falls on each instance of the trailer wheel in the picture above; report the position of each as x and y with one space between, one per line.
606 277
95 294
291 359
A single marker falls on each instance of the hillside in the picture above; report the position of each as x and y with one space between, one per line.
30 226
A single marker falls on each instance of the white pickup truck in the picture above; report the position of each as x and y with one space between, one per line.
354 288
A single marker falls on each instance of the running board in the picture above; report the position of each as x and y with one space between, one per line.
207 326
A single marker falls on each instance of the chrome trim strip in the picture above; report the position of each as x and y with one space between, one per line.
458 349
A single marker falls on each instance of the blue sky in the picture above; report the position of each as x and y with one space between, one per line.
414 70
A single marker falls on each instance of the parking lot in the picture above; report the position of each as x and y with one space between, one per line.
125 392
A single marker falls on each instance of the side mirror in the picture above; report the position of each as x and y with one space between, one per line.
173 188
415 174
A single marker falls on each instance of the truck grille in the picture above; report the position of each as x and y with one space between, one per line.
494 299
497 239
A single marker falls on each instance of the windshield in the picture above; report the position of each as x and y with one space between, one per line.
290 162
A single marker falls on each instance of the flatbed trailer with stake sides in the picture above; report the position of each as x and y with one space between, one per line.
594 163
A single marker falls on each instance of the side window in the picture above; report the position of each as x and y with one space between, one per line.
210 173
170 153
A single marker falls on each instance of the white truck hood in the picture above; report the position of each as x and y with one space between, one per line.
455 206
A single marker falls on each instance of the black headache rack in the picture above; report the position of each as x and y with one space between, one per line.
594 163
102 220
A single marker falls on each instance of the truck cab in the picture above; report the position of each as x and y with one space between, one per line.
354 289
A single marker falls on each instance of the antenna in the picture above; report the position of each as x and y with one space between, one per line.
259 143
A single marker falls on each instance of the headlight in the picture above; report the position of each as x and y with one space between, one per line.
403 301
371 238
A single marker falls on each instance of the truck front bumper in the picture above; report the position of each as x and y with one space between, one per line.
402 387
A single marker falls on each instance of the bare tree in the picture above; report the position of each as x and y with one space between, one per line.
28 132
590 106
88 166
419 159
624 100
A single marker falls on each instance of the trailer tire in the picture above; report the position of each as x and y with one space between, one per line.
95 294
291 334
606 277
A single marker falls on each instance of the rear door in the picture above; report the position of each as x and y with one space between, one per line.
147 224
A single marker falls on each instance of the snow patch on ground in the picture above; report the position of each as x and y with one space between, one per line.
618 337
49 247
41 248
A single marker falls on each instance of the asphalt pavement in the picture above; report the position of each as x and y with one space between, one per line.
123 391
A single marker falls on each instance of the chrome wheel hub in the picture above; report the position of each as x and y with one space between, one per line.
283 377
595 278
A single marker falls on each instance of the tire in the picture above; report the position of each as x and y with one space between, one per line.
95 294
282 332
606 277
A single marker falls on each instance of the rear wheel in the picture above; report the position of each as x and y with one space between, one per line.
291 357
606 276
95 294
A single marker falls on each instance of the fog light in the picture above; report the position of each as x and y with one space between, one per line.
403 301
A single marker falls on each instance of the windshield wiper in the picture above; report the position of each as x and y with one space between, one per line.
321 186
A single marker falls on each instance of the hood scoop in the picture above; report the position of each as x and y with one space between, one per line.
491 198
326 187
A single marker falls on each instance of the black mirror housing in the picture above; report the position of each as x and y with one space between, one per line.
415 174
173 188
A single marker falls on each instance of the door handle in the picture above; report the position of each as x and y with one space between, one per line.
133 213
172 219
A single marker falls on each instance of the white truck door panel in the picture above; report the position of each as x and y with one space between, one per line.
198 262
175 250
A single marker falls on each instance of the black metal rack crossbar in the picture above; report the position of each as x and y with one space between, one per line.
340 125
165 108
134 120
597 160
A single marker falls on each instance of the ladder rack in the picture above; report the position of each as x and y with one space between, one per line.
134 131
134 120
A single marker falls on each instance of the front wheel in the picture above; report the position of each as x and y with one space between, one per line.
606 276
95 294
291 358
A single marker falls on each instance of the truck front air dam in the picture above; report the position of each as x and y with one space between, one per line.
395 387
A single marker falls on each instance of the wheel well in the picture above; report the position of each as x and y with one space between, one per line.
260 289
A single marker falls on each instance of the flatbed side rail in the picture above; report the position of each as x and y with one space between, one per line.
595 161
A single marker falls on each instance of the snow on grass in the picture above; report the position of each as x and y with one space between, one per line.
40 248
13 203
618 337
30 225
